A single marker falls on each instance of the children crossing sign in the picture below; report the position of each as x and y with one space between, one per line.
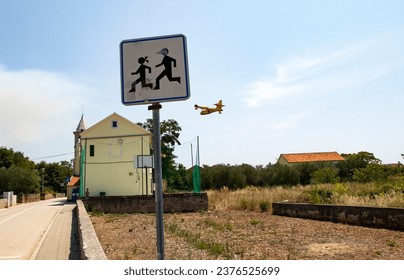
154 70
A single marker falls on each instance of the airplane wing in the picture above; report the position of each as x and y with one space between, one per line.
201 107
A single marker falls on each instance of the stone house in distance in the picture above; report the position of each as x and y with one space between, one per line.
323 157
105 156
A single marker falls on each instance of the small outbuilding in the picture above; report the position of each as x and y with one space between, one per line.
74 183
298 158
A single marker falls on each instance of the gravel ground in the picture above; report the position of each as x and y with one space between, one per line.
243 235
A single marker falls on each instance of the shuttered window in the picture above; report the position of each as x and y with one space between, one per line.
92 150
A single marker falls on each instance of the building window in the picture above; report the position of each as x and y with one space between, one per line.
92 150
114 124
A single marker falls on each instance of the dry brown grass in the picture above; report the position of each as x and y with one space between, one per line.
239 225
250 198
221 235
353 194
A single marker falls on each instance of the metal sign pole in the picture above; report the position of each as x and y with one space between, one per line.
140 84
158 179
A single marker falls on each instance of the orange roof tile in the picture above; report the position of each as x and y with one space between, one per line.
312 157
74 181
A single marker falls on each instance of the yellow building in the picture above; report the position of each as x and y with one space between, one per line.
106 154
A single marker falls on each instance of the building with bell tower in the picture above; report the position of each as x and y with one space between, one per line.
106 159
77 146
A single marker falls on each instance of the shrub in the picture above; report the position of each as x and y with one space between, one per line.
264 205
371 173
246 204
321 196
328 175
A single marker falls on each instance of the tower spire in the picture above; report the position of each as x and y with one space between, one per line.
81 126
77 145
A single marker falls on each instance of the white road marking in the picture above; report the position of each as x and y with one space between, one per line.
1 222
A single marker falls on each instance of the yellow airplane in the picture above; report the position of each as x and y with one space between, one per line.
207 110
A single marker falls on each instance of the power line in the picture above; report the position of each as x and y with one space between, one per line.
53 156
189 141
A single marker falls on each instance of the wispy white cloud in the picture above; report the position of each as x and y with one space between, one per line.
36 105
320 73
289 122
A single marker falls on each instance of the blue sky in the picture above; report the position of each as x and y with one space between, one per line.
295 76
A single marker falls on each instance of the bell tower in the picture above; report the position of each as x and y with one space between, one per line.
77 147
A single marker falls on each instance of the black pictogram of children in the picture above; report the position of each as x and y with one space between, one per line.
142 73
168 62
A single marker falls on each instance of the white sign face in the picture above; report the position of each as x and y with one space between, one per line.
154 70
143 161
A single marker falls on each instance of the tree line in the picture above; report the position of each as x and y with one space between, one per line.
357 167
21 175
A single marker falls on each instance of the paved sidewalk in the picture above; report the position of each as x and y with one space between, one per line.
61 240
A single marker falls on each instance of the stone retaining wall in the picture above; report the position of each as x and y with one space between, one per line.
26 198
46 196
389 218
90 246
183 202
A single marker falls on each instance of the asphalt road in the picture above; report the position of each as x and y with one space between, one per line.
38 230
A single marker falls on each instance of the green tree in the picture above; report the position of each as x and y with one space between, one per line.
181 178
4 178
280 175
237 178
18 180
178 179
17 172
353 162
223 175
206 177
55 174
328 175
220 175
10 158
170 133
305 172
250 173
371 173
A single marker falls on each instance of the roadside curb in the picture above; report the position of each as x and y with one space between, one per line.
90 246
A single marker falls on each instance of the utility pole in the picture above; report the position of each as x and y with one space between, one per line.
43 174
192 156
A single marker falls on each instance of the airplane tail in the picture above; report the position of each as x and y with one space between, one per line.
219 104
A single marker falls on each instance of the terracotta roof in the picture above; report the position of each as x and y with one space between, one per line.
74 181
312 157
